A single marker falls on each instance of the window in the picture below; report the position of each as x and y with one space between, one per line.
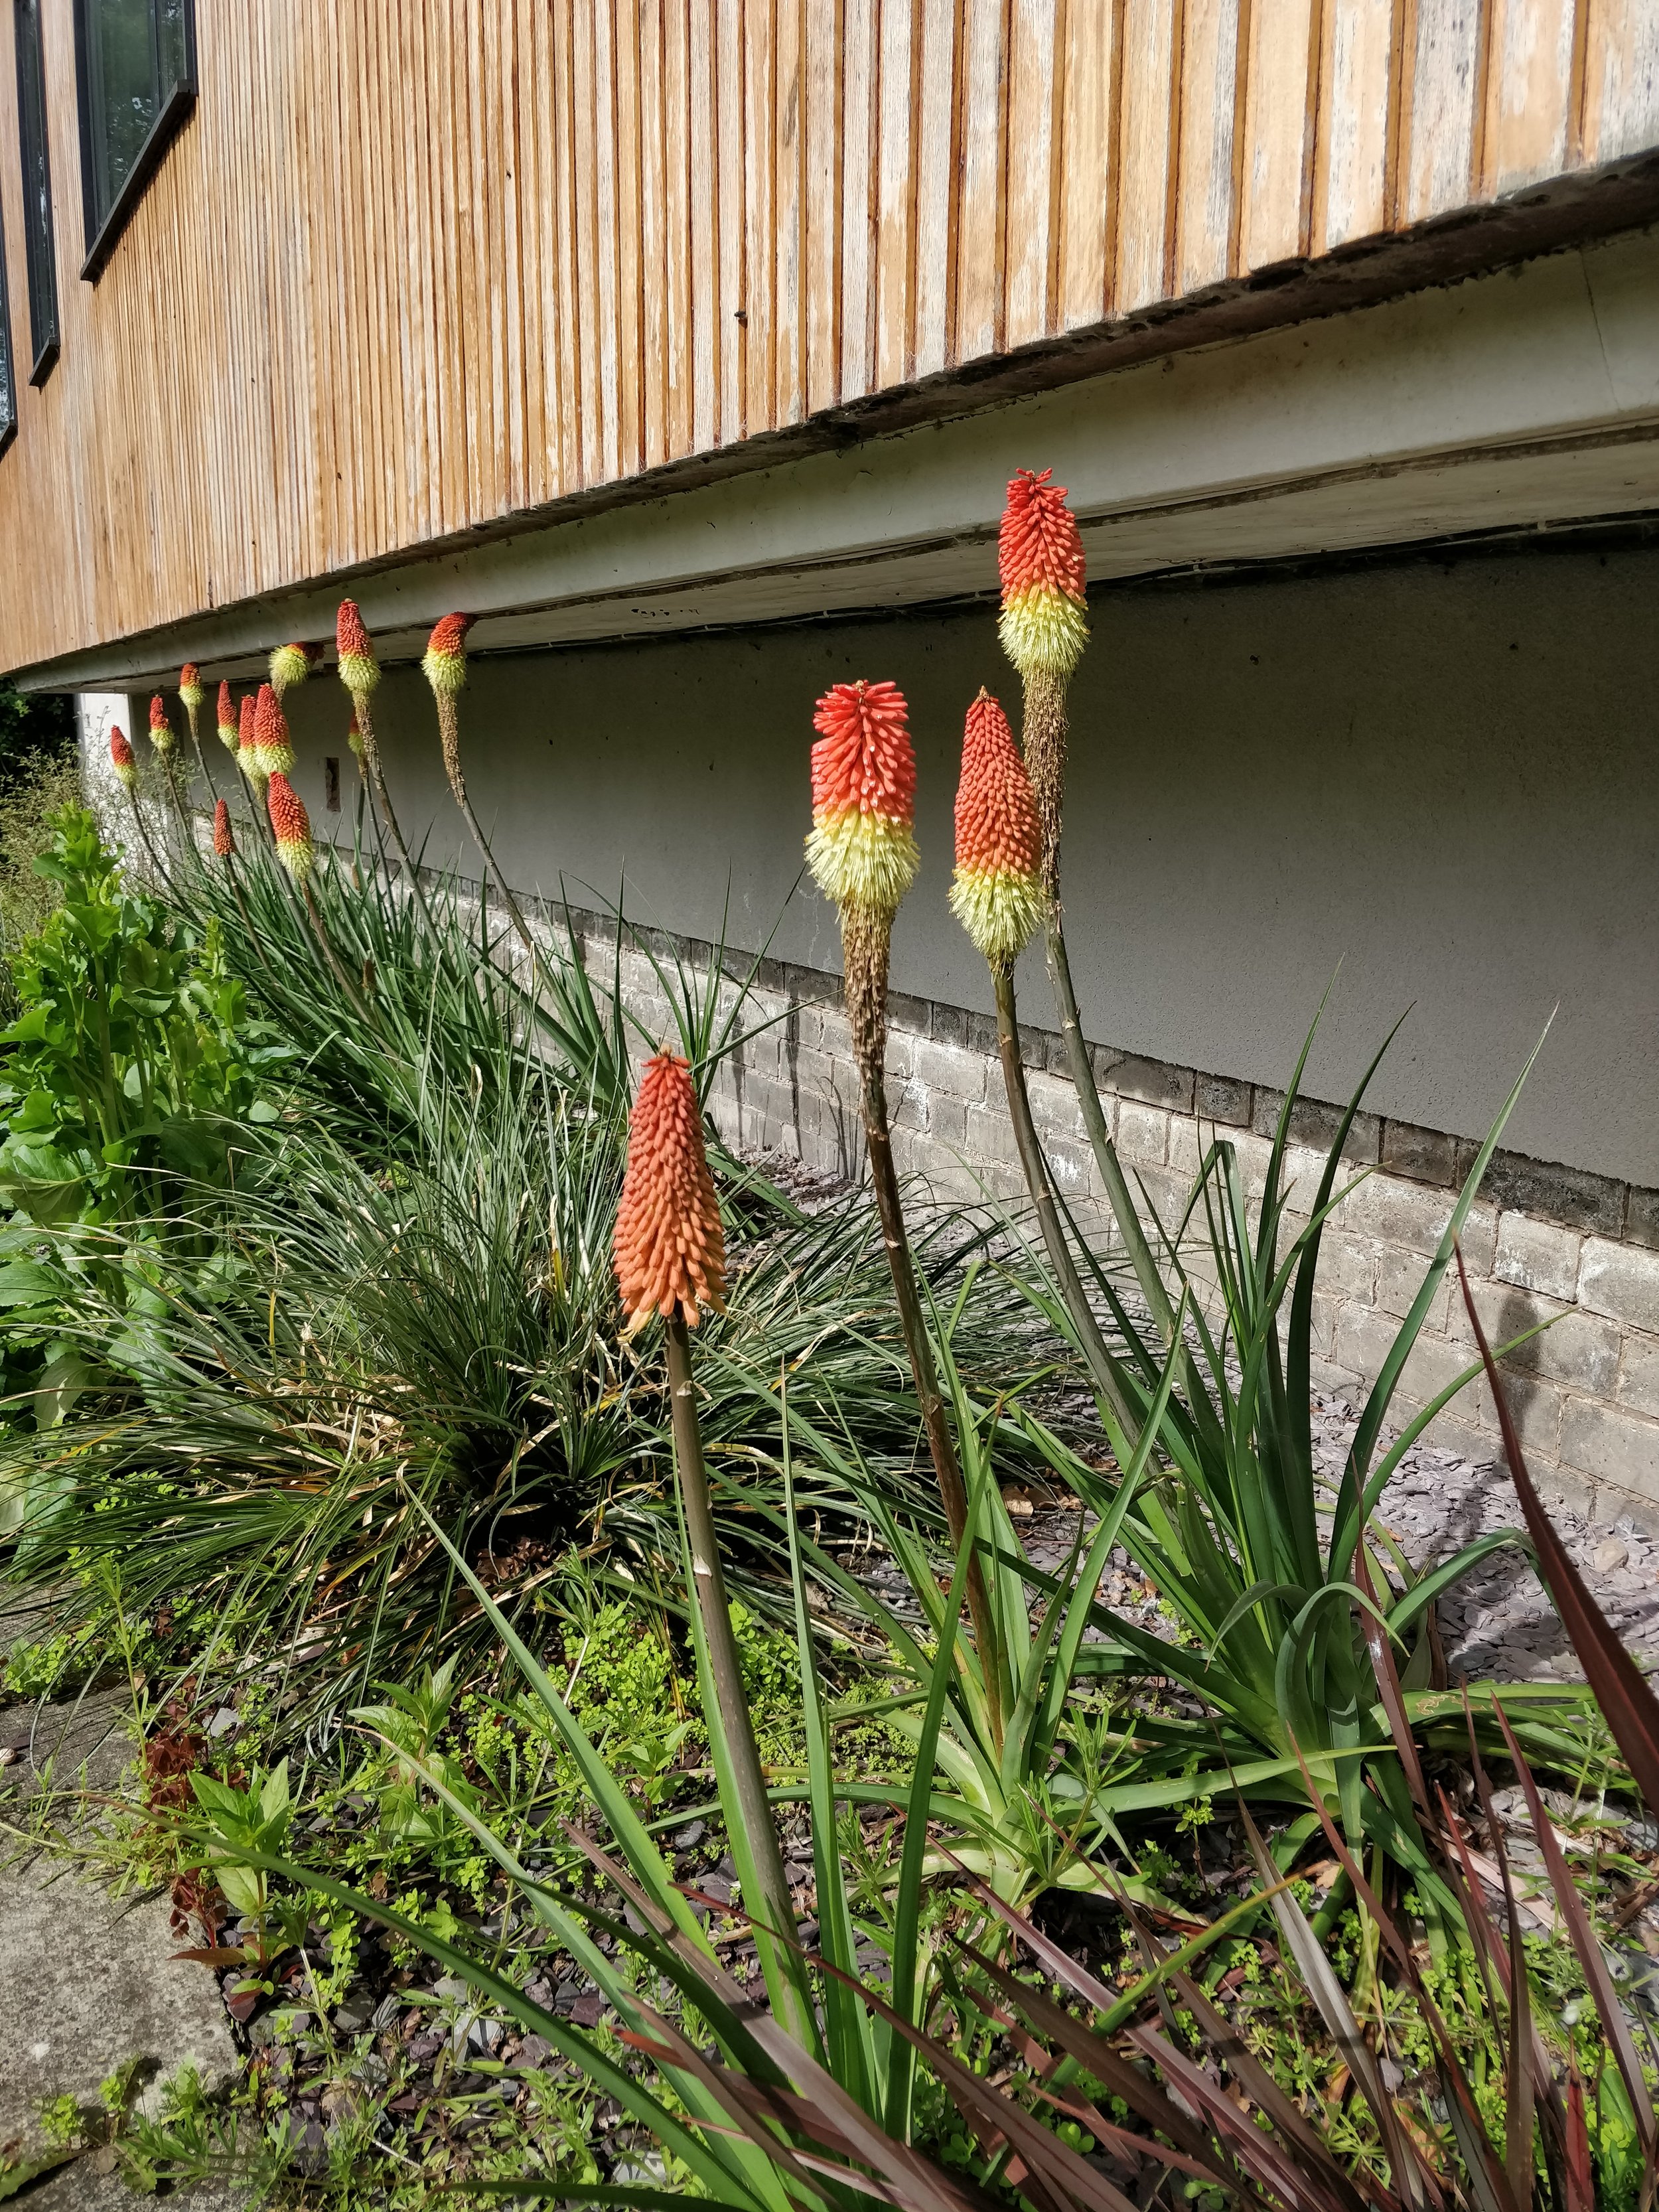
8 389
137 64
38 247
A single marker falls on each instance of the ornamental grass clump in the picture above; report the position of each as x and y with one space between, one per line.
997 896
670 1257
444 665
862 852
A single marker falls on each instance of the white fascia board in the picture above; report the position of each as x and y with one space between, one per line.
1528 397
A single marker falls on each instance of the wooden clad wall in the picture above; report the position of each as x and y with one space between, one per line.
414 268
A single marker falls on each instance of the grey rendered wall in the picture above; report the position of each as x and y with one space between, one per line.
1443 776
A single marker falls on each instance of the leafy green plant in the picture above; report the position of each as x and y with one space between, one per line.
133 1056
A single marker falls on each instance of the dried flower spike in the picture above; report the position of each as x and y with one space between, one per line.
669 1250
272 746
291 664
997 892
862 848
247 749
161 730
360 672
121 756
227 711
291 826
1045 618
224 844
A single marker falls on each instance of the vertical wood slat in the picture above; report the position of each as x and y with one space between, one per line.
982 219
451 262
1529 122
938 128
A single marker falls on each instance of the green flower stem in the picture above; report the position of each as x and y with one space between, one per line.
1101 1363
772 1906
878 1138
1100 1142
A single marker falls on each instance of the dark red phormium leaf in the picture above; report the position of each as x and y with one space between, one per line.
1629 1706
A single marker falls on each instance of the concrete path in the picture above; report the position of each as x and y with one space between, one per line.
87 1982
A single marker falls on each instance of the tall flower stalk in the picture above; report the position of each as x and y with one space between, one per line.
163 738
997 895
190 698
670 1258
445 667
862 852
290 827
360 672
1044 626
124 763
229 737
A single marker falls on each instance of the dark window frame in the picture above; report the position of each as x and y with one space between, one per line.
39 233
7 370
174 107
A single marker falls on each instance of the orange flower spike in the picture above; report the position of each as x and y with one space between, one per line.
360 672
862 848
227 711
445 659
161 730
247 749
224 844
190 691
670 1250
997 891
291 826
272 746
1044 625
121 757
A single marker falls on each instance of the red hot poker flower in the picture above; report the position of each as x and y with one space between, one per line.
1044 625
224 844
445 659
291 664
669 1250
247 749
997 894
227 710
271 743
862 849
190 686
291 825
360 672
121 756
161 730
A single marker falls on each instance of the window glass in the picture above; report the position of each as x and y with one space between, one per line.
38 247
136 57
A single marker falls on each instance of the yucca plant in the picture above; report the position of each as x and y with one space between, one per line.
1295 1624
